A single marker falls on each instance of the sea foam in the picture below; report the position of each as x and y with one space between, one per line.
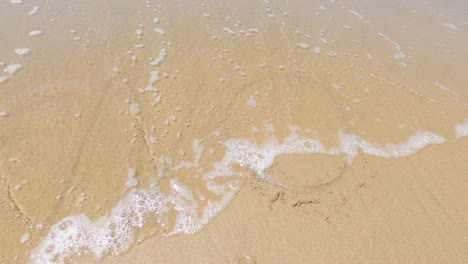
116 232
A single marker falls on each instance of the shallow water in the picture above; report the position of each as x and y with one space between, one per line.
128 120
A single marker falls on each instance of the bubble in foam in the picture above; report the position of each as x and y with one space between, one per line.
22 51
154 77
160 31
25 238
251 102
33 11
461 130
303 45
161 57
134 109
399 55
451 26
12 68
317 50
132 182
229 31
35 33
131 173
445 88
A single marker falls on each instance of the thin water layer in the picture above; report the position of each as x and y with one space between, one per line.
131 120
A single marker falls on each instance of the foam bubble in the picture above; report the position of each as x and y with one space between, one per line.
22 51
35 33
251 102
160 31
229 31
154 77
134 109
359 16
445 88
451 26
33 11
25 238
303 45
12 68
399 55
161 57
131 173
131 182
461 130
317 50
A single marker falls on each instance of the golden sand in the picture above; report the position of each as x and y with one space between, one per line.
111 86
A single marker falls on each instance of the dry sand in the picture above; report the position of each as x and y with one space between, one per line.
108 87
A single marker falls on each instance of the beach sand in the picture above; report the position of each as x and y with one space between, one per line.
233 132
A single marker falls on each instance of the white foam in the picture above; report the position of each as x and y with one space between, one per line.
359 16
134 109
3 79
22 51
116 232
25 238
229 31
161 57
347 27
461 130
303 45
317 50
156 20
33 11
154 77
251 102
16 1
451 26
399 55
445 88
12 68
183 190
198 150
131 173
133 182
35 33
331 53
159 31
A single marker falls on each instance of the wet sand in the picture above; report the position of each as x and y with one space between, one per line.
270 131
